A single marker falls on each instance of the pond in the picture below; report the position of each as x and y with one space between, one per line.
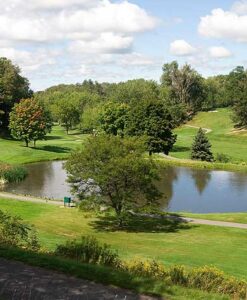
184 189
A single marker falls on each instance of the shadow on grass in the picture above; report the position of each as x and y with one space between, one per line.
180 149
55 149
140 224
53 137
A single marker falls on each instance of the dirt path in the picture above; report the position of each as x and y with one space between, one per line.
21 282
207 130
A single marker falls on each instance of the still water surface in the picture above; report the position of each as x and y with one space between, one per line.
184 189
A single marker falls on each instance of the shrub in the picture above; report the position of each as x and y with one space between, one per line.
89 250
14 232
211 279
178 275
12 173
149 269
223 158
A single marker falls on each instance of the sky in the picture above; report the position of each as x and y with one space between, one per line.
68 41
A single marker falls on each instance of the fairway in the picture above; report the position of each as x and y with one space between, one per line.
57 146
192 246
223 137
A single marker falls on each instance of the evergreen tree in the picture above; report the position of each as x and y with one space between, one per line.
201 148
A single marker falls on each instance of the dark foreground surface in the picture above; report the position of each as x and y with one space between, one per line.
21 282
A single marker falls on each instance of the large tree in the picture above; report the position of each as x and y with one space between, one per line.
201 148
117 166
113 118
152 120
13 87
29 121
237 92
67 112
183 85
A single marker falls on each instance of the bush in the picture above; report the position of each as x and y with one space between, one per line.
89 250
223 158
146 269
211 279
14 232
12 173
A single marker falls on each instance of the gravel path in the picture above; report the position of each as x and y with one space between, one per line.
21 282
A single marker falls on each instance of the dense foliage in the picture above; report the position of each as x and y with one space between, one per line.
14 232
117 166
13 87
154 121
201 148
29 121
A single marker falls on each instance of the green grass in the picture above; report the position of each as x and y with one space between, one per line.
191 245
57 146
107 276
223 137
225 217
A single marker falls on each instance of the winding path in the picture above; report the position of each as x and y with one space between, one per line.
19 281
182 219
207 130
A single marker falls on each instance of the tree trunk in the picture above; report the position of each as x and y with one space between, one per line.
150 153
26 141
34 144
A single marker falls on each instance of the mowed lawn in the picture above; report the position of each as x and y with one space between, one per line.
56 146
223 137
192 246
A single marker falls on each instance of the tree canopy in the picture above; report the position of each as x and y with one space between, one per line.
117 166
29 121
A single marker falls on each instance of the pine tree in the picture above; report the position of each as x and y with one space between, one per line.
201 148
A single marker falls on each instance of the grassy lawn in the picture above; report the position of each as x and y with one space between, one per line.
191 245
57 146
222 137
225 217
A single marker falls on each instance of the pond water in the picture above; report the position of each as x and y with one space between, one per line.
184 189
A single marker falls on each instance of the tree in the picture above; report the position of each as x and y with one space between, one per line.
201 148
118 168
113 118
152 120
13 87
237 91
29 121
67 113
185 85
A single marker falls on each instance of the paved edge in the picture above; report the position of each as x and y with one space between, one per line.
215 223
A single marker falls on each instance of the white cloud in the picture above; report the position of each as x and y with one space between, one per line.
181 48
219 52
224 24
240 7
121 18
106 43
136 59
29 61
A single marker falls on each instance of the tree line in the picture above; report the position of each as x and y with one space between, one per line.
133 108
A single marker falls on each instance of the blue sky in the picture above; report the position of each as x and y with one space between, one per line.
67 41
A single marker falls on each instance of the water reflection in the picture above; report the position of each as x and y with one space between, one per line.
201 179
183 189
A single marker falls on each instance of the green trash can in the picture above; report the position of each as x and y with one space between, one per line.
67 201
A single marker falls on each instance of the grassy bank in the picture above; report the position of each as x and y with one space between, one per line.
166 242
58 145
223 137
